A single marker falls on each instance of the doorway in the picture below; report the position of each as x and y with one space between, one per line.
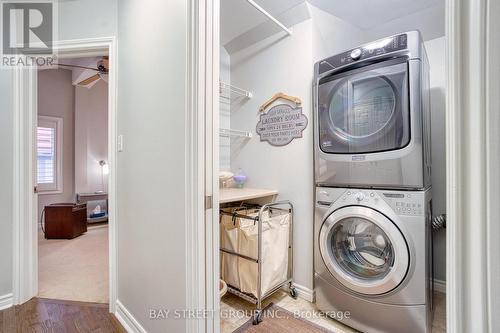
27 226
247 85
72 172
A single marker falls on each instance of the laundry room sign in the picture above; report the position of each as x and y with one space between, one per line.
283 122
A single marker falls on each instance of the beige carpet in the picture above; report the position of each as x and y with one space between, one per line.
75 269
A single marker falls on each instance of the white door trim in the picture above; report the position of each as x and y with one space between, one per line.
212 170
493 163
195 162
25 260
473 136
25 238
203 137
202 228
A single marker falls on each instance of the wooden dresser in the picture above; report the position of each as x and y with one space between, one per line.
65 220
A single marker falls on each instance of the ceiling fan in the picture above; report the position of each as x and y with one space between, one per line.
102 69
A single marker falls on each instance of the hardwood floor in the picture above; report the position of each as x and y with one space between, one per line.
55 316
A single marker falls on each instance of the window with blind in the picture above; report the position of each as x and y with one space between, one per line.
49 154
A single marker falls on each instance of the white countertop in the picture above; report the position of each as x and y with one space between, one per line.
229 194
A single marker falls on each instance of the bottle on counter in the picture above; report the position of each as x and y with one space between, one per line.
240 178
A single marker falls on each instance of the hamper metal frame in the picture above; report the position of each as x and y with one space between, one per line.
257 317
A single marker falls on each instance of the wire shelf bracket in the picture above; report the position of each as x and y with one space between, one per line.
227 132
269 16
233 89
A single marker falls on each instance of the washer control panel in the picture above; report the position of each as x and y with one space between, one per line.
402 202
405 203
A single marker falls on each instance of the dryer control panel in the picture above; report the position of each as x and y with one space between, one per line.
383 46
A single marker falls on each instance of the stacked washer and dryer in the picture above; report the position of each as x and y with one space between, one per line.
372 223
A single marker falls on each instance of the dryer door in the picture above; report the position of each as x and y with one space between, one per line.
365 110
364 250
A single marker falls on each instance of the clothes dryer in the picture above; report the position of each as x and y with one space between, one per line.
372 120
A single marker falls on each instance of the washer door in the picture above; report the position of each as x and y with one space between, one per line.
364 250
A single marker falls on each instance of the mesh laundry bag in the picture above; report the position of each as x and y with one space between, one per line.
275 234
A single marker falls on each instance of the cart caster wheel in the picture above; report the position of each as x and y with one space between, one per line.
293 292
257 317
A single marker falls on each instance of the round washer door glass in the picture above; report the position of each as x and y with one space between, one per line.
364 250
361 248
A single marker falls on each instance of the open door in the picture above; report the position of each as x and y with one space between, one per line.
34 180
212 164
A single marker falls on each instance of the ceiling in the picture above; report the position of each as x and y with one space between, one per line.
367 14
81 74
238 16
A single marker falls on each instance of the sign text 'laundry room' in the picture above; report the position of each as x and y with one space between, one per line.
281 124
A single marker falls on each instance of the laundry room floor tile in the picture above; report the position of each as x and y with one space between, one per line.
439 322
235 312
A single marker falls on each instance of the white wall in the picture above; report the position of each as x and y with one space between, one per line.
6 175
77 19
91 137
265 68
436 53
332 35
225 111
87 18
151 176
56 98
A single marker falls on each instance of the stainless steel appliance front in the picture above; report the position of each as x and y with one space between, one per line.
372 122
372 258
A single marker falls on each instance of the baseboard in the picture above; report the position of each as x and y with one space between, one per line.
6 301
440 286
128 321
303 292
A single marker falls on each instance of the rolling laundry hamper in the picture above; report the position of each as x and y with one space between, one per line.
256 251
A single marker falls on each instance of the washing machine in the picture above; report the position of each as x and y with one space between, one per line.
371 116
372 258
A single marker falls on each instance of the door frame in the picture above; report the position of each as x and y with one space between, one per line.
25 226
472 164
202 228
208 82
473 186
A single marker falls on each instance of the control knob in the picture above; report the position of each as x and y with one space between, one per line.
359 196
356 54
